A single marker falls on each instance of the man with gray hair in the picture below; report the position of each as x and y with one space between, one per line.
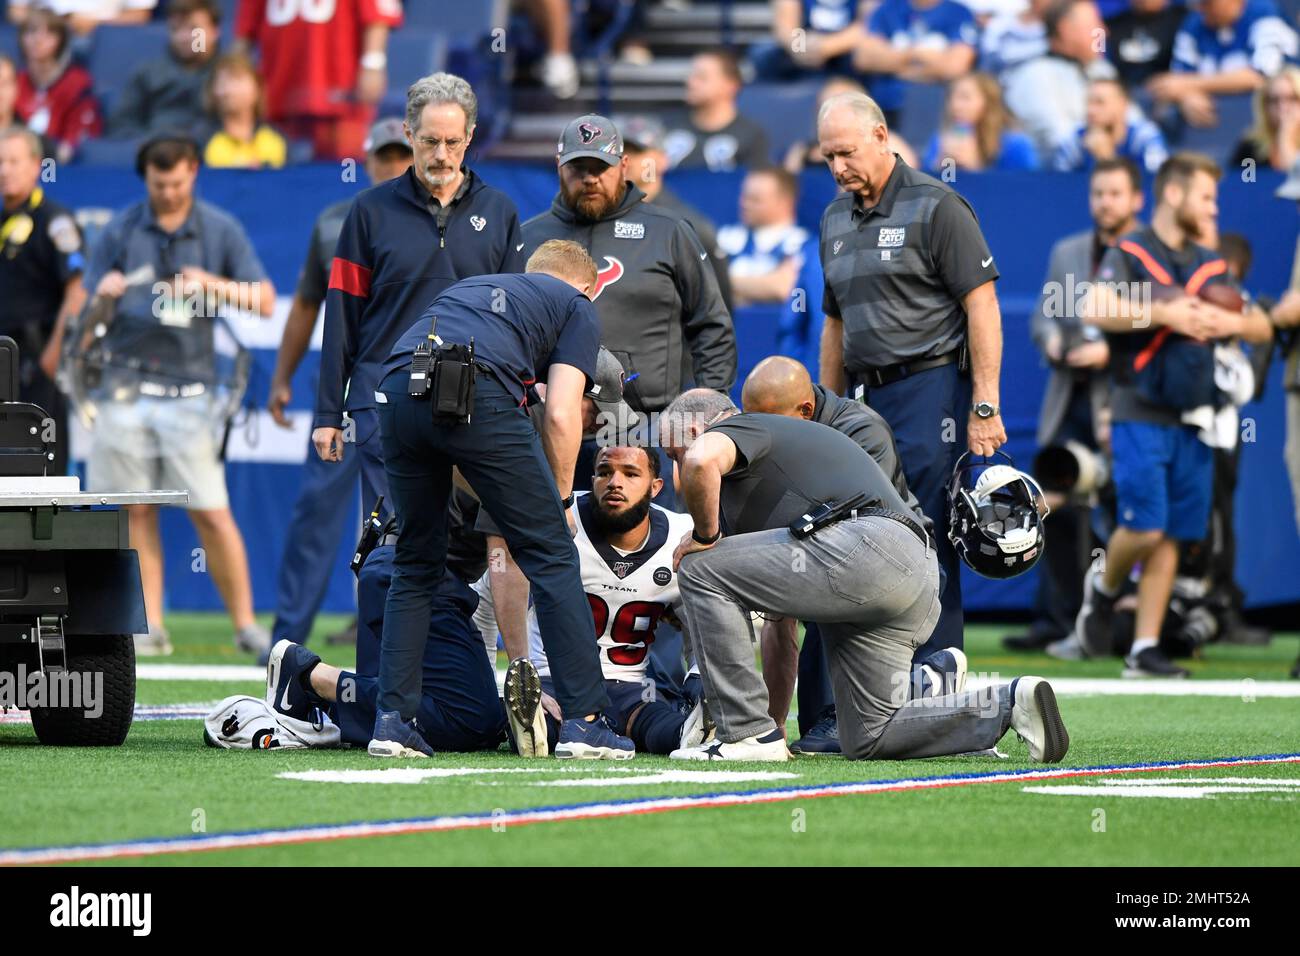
815 530
912 320
403 243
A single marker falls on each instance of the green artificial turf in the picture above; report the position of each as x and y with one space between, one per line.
163 782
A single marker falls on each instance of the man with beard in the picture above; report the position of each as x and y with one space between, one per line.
403 243
656 297
1163 472
625 547
660 310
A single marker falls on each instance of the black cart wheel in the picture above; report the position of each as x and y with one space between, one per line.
114 657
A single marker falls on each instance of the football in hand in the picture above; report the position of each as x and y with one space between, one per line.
1224 296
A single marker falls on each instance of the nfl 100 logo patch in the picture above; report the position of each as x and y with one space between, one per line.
891 237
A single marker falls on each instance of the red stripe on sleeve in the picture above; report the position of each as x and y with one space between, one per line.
350 278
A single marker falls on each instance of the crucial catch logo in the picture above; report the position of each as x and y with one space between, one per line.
76 909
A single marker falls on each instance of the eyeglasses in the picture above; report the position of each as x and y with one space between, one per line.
428 142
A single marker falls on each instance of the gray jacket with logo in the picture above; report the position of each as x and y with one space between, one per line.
656 296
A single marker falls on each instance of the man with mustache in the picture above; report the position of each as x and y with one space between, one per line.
657 299
1163 472
625 547
403 243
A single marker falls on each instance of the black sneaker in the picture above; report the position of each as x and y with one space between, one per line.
1033 641
1152 662
1094 625
823 737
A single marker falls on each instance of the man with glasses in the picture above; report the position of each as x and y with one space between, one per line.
403 243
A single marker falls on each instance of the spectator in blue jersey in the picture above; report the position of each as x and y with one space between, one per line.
1049 93
1225 47
765 248
914 41
976 133
1010 39
1115 127
1140 40
1274 138
799 328
809 36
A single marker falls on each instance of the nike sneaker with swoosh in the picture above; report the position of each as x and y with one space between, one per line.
769 748
284 669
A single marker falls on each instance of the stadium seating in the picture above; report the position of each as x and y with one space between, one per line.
411 54
114 53
784 110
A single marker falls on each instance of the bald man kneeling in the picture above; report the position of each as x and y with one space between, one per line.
782 386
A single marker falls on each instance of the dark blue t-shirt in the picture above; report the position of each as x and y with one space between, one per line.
521 325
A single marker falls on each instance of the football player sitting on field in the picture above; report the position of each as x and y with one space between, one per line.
625 547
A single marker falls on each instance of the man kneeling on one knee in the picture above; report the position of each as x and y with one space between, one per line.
868 575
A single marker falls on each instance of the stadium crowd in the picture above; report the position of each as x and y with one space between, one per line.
1113 88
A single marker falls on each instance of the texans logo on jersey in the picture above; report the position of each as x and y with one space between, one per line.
612 272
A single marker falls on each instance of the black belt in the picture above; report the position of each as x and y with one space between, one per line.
911 524
888 374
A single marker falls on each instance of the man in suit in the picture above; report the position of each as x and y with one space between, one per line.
1074 403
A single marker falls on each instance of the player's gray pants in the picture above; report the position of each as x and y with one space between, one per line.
873 587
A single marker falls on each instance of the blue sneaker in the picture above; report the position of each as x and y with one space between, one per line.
394 737
592 741
823 737
285 666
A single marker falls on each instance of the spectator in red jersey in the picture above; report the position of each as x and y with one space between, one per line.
324 75
55 98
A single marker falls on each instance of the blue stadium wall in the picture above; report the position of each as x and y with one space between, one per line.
1022 216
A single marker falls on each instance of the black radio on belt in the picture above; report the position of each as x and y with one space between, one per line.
369 537
828 513
445 372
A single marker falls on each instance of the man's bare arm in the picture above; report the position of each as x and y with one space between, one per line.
831 373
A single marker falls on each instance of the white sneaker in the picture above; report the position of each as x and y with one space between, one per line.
768 749
1036 719
156 643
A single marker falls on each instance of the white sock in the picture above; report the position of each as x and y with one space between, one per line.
1140 644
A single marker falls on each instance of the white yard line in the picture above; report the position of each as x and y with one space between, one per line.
1064 686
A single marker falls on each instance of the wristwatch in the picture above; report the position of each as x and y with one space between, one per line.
568 502
984 409
713 540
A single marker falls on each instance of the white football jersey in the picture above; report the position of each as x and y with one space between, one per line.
628 593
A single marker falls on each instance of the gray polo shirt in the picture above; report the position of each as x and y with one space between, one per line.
785 465
154 331
896 273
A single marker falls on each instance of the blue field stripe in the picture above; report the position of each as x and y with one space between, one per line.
278 836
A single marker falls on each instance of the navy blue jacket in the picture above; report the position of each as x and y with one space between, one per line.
393 259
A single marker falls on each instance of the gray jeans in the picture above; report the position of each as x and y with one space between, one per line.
873 588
